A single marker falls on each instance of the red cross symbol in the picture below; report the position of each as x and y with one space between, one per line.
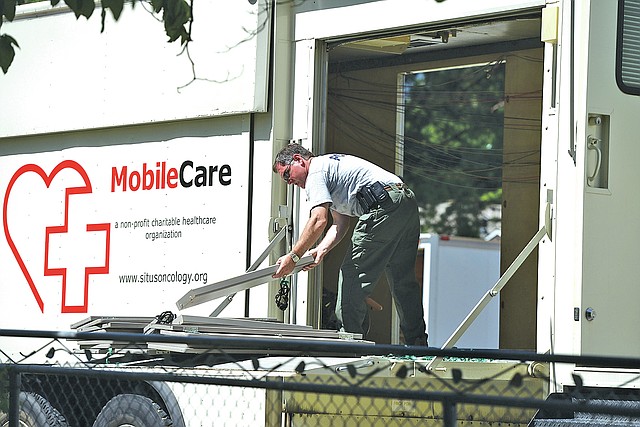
83 246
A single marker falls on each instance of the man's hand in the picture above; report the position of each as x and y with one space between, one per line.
285 266
317 258
310 233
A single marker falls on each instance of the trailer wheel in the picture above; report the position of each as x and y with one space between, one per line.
35 411
132 410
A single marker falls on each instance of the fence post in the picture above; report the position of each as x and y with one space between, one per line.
274 410
14 396
449 413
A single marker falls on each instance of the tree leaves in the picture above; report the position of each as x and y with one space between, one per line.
115 6
176 15
7 9
7 52
79 7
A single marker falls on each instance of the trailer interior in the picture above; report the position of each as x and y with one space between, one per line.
364 116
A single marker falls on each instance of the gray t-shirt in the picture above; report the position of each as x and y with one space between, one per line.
336 178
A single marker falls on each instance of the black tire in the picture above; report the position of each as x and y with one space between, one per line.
132 410
35 411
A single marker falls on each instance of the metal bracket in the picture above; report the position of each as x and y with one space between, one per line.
280 222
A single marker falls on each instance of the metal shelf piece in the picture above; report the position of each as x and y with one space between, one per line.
236 284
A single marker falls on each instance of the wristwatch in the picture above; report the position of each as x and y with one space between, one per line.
294 257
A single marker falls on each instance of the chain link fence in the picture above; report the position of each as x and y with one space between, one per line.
85 379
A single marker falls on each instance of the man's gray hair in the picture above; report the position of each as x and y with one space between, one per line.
285 156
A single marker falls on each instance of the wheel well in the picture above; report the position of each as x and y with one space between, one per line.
79 399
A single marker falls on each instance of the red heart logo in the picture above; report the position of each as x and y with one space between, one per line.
84 189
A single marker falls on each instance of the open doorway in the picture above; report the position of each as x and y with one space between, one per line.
366 113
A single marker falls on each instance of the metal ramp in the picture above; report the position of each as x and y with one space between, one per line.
184 325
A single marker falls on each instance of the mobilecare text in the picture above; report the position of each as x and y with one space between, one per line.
162 176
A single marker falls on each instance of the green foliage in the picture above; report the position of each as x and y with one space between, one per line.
176 16
453 145
8 9
79 7
7 52
115 6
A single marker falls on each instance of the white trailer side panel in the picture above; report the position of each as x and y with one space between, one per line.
68 75
125 224
611 198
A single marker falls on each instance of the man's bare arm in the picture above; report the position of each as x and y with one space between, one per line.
313 229
334 235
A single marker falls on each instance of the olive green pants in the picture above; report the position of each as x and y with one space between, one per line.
385 240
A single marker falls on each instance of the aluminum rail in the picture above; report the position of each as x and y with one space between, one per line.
495 290
236 284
